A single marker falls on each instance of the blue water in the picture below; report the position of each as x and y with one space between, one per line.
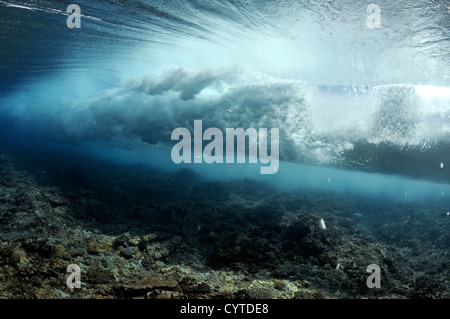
360 110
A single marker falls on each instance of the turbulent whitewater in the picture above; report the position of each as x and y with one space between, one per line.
343 94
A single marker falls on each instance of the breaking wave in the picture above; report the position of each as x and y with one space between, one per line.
343 95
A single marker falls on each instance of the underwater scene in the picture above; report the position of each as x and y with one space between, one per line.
224 149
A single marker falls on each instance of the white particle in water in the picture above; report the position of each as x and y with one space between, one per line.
322 224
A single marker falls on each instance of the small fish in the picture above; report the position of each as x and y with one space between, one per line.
442 166
229 110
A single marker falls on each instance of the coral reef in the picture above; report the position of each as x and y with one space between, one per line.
138 233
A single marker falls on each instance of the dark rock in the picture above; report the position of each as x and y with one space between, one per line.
141 287
128 252
98 275
306 238
126 240
426 287
40 246
78 251
14 235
